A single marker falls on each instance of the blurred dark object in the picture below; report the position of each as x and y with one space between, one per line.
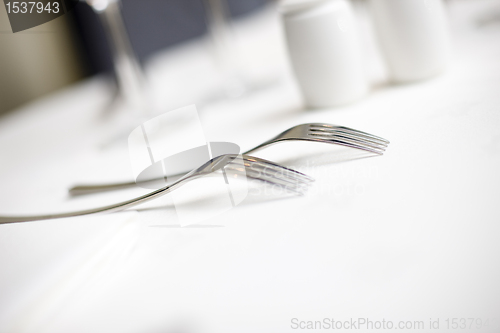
152 25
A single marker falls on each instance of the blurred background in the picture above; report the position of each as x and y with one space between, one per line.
48 57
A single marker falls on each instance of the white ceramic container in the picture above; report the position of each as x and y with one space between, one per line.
324 50
413 37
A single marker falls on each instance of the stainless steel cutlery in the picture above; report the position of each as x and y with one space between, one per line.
314 132
236 165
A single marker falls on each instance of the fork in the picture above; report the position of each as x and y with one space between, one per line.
239 165
333 134
316 132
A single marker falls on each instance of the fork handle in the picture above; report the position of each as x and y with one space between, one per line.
263 145
96 188
100 210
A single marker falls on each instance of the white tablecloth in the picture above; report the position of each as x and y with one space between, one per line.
412 235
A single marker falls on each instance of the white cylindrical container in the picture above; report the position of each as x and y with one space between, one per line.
413 37
324 50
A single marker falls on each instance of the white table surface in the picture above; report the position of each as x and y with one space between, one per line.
412 235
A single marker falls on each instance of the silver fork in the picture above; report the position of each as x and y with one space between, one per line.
239 165
333 134
316 132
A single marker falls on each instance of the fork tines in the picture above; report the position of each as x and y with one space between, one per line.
272 173
349 137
